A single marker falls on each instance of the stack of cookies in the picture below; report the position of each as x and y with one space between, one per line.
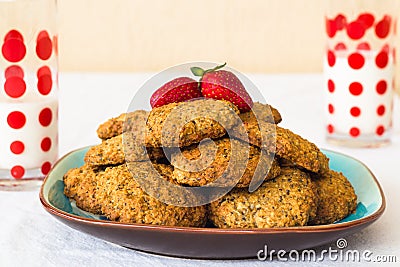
275 177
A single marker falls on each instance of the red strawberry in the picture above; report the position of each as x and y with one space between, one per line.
177 90
223 85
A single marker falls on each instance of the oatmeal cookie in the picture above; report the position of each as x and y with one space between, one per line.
125 201
285 201
126 122
113 152
336 198
264 112
202 165
80 185
287 145
115 193
176 122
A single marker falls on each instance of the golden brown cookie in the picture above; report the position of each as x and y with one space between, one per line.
336 198
125 201
127 122
202 165
286 144
115 193
264 112
190 122
113 152
80 185
285 201
111 127
298 150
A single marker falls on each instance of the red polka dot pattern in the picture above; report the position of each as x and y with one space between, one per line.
331 58
16 120
15 55
340 22
46 167
45 144
330 27
17 172
15 87
44 46
330 128
14 71
355 111
366 19
382 28
13 50
340 46
331 109
355 30
386 48
13 34
44 84
335 25
45 117
43 71
45 81
356 61
381 87
382 59
364 46
17 147
356 88
354 132
381 110
380 130
331 86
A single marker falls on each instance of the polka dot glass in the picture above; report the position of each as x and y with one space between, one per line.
359 69
28 92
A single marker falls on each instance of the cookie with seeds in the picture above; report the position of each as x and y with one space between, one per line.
261 112
121 148
80 185
336 198
126 122
300 151
213 162
285 201
286 145
115 193
123 199
186 123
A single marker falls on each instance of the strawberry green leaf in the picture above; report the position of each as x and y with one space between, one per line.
197 71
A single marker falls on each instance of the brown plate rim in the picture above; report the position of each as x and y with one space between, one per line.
299 229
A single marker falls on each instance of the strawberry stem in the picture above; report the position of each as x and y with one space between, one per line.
197 71
216 68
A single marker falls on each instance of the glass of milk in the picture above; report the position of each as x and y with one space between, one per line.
359 69
28 92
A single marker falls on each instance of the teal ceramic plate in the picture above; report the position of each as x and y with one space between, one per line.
215 243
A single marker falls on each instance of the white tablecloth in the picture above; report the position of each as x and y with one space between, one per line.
29 236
